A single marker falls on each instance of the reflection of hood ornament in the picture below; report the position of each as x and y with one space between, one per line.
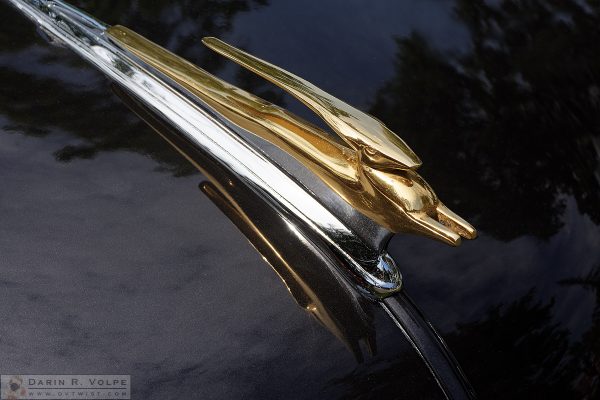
308 271
373 171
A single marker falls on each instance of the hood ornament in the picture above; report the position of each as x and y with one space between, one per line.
374 171
369 167
327 253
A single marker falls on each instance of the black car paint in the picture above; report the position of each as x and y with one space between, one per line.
112 261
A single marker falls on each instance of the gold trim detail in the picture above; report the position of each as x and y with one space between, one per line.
372 169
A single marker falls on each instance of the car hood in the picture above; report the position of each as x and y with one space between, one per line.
113 260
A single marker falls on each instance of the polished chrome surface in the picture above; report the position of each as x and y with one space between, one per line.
306 266
373 269
372 169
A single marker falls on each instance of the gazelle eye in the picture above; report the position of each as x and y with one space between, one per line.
370 151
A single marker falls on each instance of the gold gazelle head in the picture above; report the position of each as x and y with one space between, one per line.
374 170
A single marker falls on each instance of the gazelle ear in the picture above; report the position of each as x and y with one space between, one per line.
358 129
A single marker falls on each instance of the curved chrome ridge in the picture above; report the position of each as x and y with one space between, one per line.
430 347
374 270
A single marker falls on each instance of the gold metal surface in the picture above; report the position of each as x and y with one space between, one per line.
374 172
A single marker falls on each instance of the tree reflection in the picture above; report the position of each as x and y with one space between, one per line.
528 355
587 350
514 120
49 101
506 130
179 25
516 352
